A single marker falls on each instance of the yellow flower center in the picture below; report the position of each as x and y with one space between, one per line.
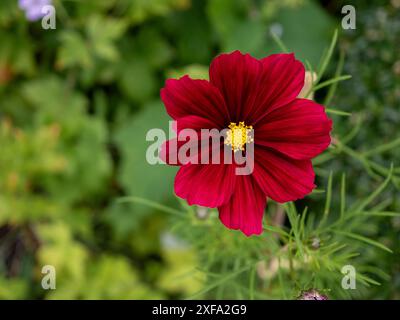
238 135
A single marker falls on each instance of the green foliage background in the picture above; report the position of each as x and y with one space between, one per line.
75 106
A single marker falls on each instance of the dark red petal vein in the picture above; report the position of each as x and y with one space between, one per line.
282 179
188 97
237 76
246 207
282 81
301 129
209 185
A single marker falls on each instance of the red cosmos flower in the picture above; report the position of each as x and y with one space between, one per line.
288 133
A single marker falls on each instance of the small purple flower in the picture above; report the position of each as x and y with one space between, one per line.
312 294
33 8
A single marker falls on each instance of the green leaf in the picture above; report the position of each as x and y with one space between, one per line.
364 239
331 82
374 194
338 72
220 281
338 112
328 201
139 178
137 80
327 57
151 204
279 42
73 51
383 148
309 40
343 196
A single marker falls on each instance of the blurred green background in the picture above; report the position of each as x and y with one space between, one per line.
75 106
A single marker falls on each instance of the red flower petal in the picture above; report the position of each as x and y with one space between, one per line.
300 129
169 151
187 97
237 76
189 130
196 123
282 81
246 207
281 178
209 185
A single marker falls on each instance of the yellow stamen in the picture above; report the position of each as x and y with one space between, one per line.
238 135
